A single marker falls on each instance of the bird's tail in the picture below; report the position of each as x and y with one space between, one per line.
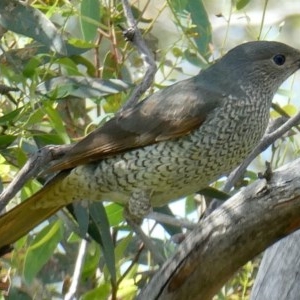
24 217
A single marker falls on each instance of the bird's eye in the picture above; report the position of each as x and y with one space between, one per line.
279 59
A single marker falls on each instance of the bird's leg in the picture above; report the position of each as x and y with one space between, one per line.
138 208
139 204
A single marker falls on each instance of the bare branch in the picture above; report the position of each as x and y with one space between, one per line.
165 219
146 241
77 271
138 41
31 169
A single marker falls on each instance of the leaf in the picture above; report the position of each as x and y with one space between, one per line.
200 31
121 249
214 193
31 66
6 140
240 4
32 23
99 216
41 249
89 19
47 139
100 292
91 262
82 87
190 205
57 123
203 27
114 213
11 116
82 217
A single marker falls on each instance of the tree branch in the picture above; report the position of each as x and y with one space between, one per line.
31 169
138 41
278 276
230 236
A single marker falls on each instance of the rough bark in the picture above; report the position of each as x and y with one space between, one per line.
279 273
241 228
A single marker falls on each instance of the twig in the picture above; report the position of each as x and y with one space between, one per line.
147 242
178 222
31 169
77 271
138 41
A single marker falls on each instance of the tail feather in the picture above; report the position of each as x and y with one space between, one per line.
24 217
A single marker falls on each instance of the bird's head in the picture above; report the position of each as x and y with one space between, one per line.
260 64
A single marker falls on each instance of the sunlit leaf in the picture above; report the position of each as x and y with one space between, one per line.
31 22
89 19
6 140
203 28
240 4
42 249
82 87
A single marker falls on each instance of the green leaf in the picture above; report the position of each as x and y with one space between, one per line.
200 30
42 249
121 249
240 4
190 204
82 218
91 262
29 21
6 140
57 123
47 139
10 117
203 27
100 292
114 213
89 19
82 87
31 67
98 214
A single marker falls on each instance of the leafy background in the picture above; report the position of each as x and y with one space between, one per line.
73 71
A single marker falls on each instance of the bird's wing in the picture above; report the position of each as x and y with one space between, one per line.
170 113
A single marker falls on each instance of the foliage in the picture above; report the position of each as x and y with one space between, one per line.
73 70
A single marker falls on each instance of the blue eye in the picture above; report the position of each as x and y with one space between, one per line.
279 59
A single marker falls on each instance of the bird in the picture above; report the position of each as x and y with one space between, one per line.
169 145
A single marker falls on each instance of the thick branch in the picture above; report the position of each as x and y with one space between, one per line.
278 276
233 234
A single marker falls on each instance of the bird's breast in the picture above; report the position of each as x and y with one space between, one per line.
171 169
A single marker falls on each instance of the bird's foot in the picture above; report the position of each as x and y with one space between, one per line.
138 206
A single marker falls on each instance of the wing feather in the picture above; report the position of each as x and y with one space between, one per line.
168 114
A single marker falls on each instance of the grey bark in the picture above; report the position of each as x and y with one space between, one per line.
279 273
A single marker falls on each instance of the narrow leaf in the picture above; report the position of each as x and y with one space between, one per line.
82 87
90 17
42 249
99 216
29 21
